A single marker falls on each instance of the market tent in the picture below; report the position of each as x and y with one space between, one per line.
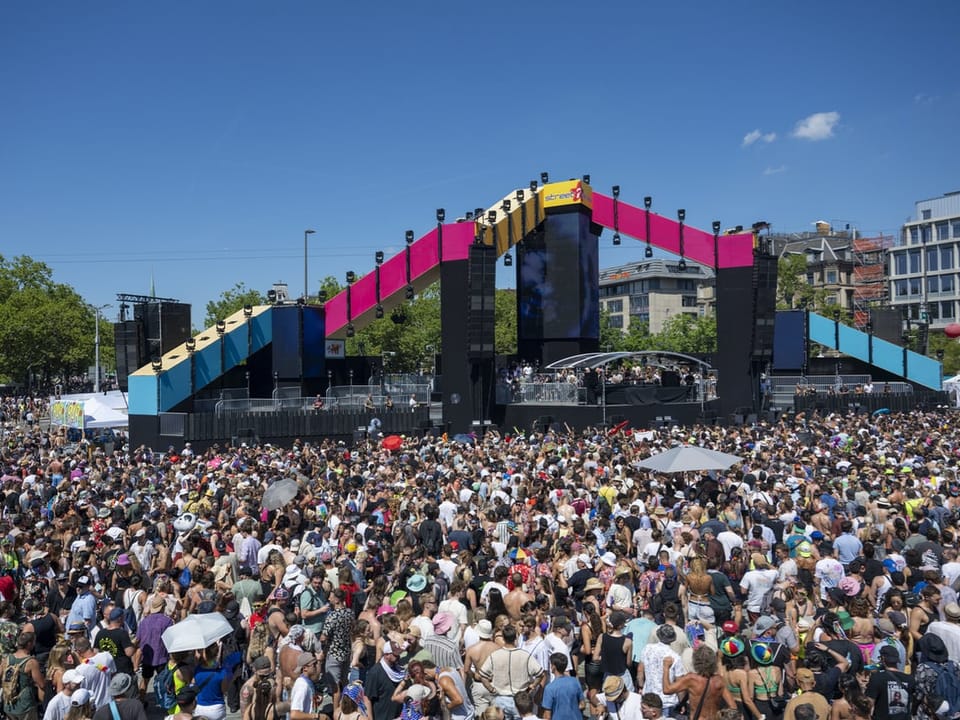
97 414
951 386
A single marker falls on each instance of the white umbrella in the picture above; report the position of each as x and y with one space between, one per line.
279 494
688 458
196 632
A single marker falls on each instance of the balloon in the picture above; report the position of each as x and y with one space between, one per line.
952 330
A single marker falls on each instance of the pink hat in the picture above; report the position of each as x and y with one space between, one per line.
123 559
385 610
442 622
850 586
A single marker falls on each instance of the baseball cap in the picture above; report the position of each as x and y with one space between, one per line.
889 654
115 614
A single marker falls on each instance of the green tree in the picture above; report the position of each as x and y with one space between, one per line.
506 322
791 280
230 301
46 328
685 333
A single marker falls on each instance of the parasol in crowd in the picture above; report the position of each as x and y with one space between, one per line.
392 442
689 458
279 494
196 632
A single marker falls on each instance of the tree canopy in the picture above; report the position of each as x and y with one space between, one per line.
230 301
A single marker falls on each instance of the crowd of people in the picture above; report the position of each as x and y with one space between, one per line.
511 577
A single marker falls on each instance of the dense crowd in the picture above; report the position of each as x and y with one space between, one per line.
511 577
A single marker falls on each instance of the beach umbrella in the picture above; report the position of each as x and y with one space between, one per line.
881 411
463 438
689 458
392 442
196 632
279 494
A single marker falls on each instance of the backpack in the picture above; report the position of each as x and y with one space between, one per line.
947 687
260 639
186 577
129 613
10 685
163 686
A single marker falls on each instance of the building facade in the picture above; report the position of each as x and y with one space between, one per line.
652 291
923 268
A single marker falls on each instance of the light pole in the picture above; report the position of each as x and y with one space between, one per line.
306 233
96 345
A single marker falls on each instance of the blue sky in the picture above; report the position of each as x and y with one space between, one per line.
194 142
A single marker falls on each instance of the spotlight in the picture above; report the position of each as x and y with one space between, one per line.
271 296
716 227
508 260
409 293
533 186
409 237
378 257
350 331
156 365
191 345
739 228
441 214
616 191
544 178
682 265
478 213
505 206
379 312
301 301
469 215
647 202
247 310
681 214
221 327
648 253
492 216
322 296
520 196
868 327
940 354
351 277
616 238
586 178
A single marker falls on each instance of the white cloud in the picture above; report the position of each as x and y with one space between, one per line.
775 170
924 99
818 126
754 135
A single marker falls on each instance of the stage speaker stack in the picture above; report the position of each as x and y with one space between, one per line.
764 306
125 339
481 320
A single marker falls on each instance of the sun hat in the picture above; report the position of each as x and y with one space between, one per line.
732 646
120 685
417 692
123 559
485 629
932 648
593 584
72 676
609 558
442 622
613 688
850 586
304 659
762 652
846 620
385 610
396 596
80 696
416 583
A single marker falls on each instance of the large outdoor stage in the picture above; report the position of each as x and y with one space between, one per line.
578 417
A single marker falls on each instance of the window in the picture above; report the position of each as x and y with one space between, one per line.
947 284
830 300
925 214
809 278
914 261
831 277
616 321
914 235
933 285
932 256
615 306
956 228
900 288
933 311
926 232
688 301
946 258
900 263
914 286
943 231
946 309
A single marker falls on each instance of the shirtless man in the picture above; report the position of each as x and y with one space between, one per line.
703 679
516 598
473 660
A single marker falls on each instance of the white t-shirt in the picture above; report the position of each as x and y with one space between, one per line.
756 584
97 672
301 695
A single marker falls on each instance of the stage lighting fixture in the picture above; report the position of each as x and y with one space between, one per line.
492 216
191 345
322 296
508 260
648 252
544 178
868 327
378 257
533 186
379 312
940 354
409 292
247 310
478 213
647 202
506 205
616 238
682 265
716 227
350 331
616 191
221 327
271 296
586 178
156 365
351 277
520 196
469 215
681 214
301 301
738 228
408 236
441 214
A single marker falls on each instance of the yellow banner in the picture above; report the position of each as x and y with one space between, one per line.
67 413
567 192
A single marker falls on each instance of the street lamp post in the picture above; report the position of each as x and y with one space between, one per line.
305 285
96 344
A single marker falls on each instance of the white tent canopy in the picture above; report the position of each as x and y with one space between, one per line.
97 414
952 387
